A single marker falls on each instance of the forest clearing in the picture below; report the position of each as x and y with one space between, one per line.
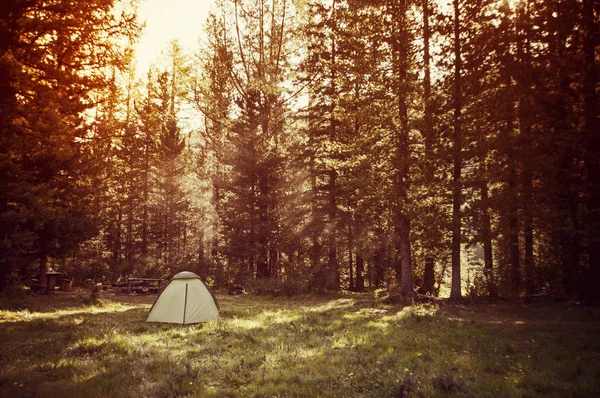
324 154
334 345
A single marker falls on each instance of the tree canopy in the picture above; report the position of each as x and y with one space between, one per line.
425 146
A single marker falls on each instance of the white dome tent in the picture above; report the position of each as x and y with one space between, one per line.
184 300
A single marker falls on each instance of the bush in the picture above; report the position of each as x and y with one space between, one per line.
13 287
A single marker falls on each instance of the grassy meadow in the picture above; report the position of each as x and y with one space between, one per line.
348 345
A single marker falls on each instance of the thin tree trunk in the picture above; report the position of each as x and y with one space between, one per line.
43 246
405 258
360 269
350 249
360 263
569 239
117 243
146 191
202 269
527 204
333 271
262 267
487 242
402 227
523 48
568 180
129 239
315 252
166 238
455 292
184 239
273 261
429 274
378 258
253 222
370 274
214 248
513 207
592 159
333 278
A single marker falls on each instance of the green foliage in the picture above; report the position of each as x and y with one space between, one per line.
335 145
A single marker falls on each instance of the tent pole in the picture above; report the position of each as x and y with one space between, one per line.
185 303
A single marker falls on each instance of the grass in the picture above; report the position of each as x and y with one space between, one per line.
309 346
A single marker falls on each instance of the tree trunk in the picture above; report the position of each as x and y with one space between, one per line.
273 261
360 269
428 276
402 228
315 250
129 239
568 182
117 243
405 258
333 278
202 269
526 154
592 159
378 265
488 259
350 249
214 246
370 274
262 266
512 213
527 204
428 133
513 230
359 285
43 253
455 292
146 194
569 239
333 270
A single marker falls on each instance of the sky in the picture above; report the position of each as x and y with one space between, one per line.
167 20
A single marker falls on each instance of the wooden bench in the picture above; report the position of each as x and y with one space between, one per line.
41 289
134 283
35 287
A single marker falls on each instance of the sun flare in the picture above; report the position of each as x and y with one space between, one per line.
168 20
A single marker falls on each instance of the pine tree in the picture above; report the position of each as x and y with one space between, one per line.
47 79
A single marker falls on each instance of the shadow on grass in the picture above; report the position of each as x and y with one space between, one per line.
300 347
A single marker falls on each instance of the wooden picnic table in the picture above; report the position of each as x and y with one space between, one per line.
133 280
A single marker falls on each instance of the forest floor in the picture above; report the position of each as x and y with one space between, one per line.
345 345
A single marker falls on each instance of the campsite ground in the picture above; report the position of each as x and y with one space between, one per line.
310 346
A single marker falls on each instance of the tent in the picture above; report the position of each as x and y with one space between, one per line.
184 300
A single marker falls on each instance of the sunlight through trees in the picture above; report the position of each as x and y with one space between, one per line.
438 147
